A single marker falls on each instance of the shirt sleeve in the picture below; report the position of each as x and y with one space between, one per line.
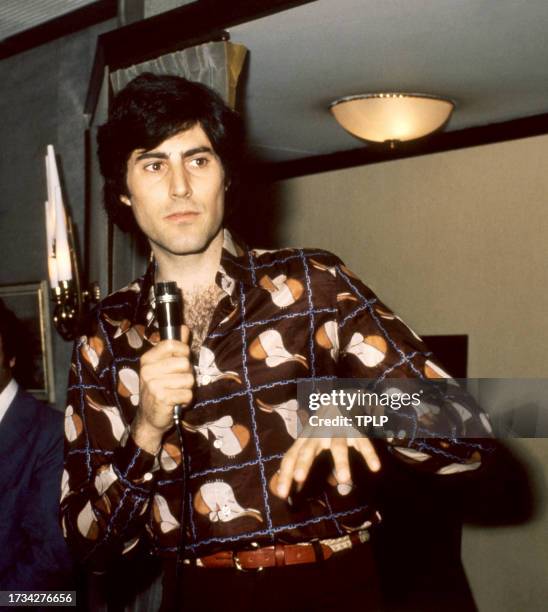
443 430
107 480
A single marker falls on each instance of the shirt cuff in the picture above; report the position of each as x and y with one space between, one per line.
134 463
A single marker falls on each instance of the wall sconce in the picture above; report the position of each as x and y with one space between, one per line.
392 117
63 270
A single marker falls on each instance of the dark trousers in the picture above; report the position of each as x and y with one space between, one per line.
346 581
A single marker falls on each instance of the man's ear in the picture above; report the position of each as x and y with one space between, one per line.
125 200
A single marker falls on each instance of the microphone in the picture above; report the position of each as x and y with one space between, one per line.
169 314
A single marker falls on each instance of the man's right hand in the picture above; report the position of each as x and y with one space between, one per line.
166 379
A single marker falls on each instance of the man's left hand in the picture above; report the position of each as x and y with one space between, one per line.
298 460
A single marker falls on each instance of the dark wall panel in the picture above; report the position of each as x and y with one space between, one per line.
42 99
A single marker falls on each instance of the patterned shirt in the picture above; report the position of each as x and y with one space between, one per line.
285 315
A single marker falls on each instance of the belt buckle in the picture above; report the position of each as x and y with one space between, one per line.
238 565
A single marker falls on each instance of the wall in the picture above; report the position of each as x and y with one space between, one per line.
43 94
455 243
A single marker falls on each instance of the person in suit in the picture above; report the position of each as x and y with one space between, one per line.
33 553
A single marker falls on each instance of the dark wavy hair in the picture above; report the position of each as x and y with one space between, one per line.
150 109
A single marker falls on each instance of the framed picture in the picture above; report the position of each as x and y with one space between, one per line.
30 303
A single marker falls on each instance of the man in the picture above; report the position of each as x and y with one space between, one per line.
255 323
34 555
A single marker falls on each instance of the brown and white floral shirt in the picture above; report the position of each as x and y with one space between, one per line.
285 315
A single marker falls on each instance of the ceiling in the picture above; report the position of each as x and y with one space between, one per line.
18 16
489 56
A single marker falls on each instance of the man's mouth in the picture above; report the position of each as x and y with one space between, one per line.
178 217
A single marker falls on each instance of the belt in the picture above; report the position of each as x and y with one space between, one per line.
279 555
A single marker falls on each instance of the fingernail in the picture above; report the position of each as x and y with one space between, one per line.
375 465
281 489
299 475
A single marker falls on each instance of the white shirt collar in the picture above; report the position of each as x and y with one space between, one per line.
7 396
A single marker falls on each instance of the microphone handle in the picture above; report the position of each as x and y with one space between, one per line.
170 320
173 332
170 329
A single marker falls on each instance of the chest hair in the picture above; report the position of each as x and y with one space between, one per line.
198 311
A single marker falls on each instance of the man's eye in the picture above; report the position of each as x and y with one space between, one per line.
199 162
154 166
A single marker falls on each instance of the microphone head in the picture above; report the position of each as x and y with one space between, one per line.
166 292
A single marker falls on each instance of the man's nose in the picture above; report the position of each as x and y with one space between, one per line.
180 182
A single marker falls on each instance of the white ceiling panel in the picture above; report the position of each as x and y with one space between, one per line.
490 56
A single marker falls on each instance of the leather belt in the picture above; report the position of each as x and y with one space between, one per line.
281 555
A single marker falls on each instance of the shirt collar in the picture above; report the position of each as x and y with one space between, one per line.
7 396
236 265
236 260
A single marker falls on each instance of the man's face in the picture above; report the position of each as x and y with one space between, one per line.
177 192
5 368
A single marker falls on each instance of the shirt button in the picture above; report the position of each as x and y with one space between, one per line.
206 379
147 477
218 443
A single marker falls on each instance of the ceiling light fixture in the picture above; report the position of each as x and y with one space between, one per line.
392 117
